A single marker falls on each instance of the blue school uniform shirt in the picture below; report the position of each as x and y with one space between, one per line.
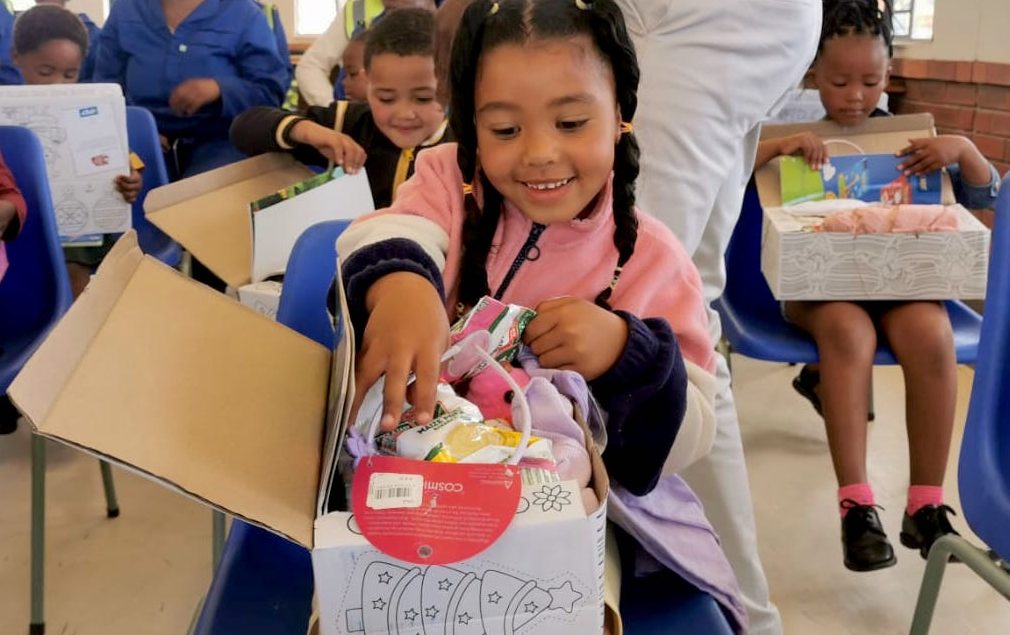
88 65
225 40
9 74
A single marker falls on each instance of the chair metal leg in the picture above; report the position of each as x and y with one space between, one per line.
217 538
974 558
186 264
37 625
111 506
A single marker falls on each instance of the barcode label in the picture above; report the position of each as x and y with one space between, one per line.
538 476
387 490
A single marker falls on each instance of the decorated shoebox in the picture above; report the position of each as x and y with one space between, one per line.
801 263
164 376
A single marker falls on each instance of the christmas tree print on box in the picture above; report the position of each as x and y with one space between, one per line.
404 600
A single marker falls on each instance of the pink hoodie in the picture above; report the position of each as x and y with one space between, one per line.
577 258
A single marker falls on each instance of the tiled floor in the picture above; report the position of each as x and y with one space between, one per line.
144 572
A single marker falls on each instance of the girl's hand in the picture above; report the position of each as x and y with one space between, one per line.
335 146
192 95
129 186
573 334
809 145
407 331
932 153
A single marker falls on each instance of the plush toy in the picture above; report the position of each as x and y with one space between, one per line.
489 392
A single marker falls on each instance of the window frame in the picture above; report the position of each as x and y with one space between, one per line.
911 13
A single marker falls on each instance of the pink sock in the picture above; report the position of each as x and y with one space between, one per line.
921 495
860 493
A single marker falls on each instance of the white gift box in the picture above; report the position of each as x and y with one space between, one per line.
800 264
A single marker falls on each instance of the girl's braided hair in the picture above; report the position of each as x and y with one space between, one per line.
857 17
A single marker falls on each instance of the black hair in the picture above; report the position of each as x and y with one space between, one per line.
47 22
402 32
857 17
486 25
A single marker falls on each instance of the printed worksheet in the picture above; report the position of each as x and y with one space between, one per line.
82 128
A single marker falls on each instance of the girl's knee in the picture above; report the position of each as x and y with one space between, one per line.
851 340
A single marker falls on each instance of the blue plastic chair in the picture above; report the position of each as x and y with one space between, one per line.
143 136
752 321
34 294
263 583
983 474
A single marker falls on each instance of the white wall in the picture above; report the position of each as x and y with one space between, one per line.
966 30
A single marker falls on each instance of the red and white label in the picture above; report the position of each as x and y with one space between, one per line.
433 513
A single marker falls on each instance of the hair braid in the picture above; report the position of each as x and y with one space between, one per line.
857 17
479 223
611 37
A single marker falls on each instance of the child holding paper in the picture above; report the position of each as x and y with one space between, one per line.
851 70
400 118
50 44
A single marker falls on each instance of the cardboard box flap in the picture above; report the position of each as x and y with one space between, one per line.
167 377
208 214
875 136
67 343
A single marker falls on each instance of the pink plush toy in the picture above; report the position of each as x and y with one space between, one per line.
489 392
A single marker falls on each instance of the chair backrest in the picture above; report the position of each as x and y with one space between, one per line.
310 272
984 465
35 292
746 287
142 133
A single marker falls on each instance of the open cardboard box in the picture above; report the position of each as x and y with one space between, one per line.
804 265
163 376
209 214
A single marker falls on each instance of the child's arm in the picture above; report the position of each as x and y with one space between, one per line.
12 205
976 180
407 330
393 262
806 143
311 138
129 186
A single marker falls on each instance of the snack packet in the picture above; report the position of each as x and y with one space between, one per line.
504 322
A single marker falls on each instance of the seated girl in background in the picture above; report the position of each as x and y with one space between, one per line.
50 44
851 71
535 205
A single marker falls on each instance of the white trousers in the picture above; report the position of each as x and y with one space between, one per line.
712 70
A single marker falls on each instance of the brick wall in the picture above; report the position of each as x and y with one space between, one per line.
968 98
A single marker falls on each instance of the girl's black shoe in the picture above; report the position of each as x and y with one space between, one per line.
921 529
864 544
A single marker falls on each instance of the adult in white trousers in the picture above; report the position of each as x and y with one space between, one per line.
712 70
